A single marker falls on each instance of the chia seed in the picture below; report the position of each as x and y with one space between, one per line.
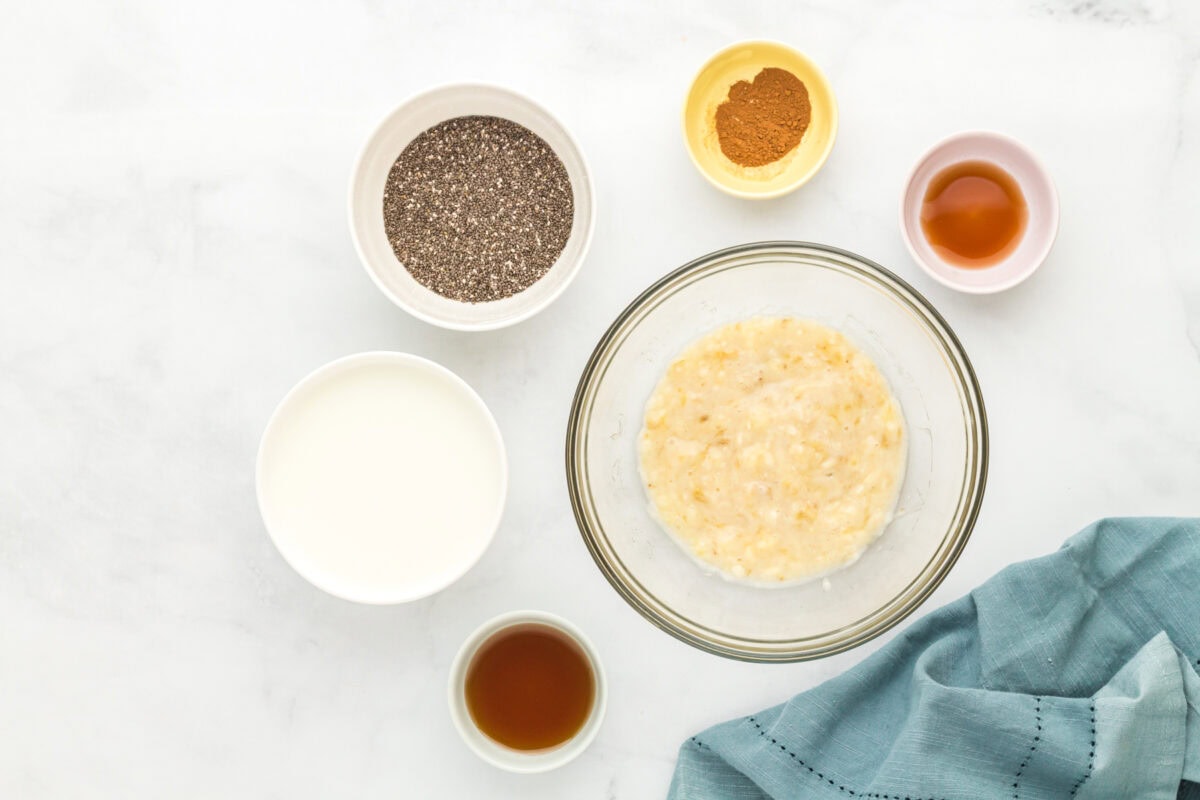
478 208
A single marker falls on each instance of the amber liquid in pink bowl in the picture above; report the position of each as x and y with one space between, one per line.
973 214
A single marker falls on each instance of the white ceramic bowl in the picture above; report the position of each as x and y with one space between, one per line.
352 499
505 757
1041 199
366 205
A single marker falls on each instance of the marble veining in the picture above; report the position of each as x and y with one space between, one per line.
175 255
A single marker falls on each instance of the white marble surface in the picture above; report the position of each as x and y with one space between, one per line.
175 255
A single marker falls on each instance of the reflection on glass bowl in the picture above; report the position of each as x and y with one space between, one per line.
944 476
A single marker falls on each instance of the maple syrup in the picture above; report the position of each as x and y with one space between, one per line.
530 687
974 214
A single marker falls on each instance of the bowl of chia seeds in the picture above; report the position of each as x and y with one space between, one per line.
471 207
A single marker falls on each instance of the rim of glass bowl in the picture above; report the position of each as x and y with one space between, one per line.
854 633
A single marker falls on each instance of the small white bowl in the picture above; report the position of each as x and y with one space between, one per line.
1041 199
352 499
384 146
492 751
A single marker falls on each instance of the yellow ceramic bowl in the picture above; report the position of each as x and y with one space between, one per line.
742 62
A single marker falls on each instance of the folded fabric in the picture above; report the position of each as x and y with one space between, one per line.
1071 677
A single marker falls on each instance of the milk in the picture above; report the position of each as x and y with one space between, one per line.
382 478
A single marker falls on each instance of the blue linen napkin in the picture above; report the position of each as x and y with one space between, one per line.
1071 677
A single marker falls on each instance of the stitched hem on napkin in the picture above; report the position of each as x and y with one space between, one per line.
1061 677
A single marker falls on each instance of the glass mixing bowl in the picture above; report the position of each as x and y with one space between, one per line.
939 500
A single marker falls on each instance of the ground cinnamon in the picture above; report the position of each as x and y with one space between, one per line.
764 120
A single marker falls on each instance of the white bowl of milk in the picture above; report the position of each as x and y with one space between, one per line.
381 477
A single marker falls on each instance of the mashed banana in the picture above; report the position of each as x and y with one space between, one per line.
773 449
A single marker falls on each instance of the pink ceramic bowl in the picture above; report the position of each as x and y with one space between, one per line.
1040 197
